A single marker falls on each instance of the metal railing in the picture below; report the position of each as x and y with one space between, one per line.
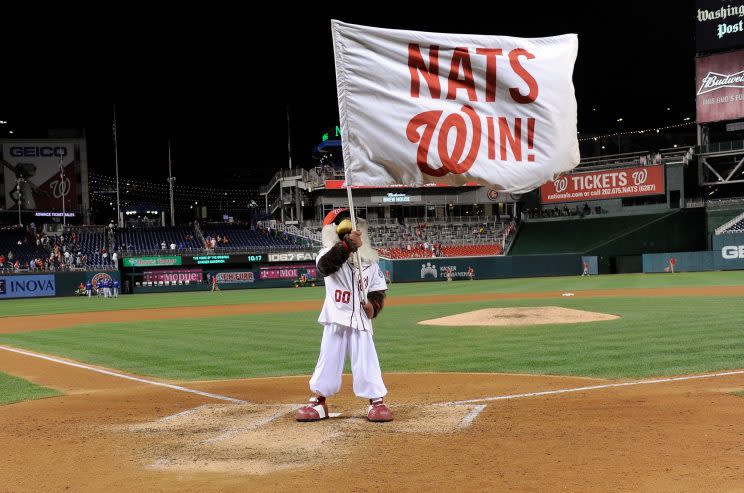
733 145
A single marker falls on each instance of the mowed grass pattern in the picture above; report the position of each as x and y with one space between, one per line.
14 389
655 336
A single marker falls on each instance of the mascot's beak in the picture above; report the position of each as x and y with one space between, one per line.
344 227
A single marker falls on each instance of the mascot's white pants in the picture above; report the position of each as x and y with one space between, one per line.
339 340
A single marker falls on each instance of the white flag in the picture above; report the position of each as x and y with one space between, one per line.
419 107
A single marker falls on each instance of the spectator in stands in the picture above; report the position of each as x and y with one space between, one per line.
163 246
587 209
115 259
172 246
566 212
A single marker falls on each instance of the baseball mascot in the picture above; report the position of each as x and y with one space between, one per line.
347 320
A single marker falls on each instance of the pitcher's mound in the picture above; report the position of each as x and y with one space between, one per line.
521 316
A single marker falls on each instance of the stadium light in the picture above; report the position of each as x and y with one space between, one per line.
10 132
3 122
620 119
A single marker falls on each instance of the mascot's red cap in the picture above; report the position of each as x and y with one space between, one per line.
331 216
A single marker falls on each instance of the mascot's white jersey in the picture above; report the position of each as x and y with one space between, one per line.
343 305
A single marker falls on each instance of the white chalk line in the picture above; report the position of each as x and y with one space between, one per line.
125 377
181 414
470 417
593 387
232 432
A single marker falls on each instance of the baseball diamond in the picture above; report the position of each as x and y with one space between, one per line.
373 248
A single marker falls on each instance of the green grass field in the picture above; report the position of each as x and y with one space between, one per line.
13 389
654 336
9 308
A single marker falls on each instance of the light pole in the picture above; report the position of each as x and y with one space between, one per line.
19 184
171 179
62 191
119 221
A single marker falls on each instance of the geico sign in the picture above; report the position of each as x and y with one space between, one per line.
292 256
732 252
38 151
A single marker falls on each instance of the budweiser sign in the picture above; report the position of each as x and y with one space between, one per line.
714 81
720 83
601 185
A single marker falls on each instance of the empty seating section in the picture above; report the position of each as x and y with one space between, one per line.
242 236
575 236
148 239
737 227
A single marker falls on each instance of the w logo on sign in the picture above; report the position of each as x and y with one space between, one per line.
561 184
640 177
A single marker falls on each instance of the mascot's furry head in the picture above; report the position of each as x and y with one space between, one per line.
337 224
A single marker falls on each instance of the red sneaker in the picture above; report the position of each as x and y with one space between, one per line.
378 411
315 410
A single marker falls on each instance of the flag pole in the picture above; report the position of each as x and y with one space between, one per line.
362 290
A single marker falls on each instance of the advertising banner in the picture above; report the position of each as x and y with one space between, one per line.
173 275
719 25
288 271
30 286
151 261
32 175
719 80
601 185
233 277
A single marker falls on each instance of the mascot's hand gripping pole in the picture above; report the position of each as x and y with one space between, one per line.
362 289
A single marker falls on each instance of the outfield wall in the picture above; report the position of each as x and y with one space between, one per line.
498 267
727 254
48 284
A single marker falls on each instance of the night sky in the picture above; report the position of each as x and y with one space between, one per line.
217 83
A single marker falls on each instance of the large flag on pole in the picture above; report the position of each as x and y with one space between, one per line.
419 107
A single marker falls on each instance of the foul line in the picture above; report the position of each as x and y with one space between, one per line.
126 377
593 387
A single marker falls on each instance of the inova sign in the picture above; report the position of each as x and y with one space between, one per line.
732 252
27 286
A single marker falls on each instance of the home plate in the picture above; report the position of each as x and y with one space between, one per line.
567 294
